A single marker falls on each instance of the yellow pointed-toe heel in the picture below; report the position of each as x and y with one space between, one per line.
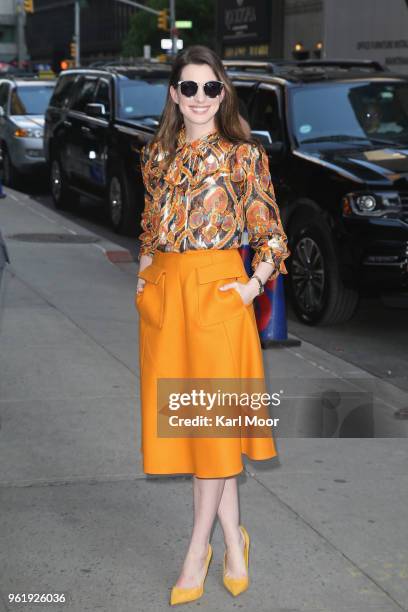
184 594
237 585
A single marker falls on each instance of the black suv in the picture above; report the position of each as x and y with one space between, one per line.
336 133
95 125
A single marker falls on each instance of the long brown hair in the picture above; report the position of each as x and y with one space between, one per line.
227 119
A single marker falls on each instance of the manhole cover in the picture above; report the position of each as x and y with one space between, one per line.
63 238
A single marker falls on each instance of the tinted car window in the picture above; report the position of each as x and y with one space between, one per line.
265 115
361 110
245 94
243 110
30 100
84 94
102 95
141 97
62 91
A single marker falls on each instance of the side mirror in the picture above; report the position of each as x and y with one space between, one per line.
274 149
262 135
95 109
275 152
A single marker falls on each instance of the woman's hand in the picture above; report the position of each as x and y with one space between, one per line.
140 285
145 261
248 291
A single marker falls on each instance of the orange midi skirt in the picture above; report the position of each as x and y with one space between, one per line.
189 329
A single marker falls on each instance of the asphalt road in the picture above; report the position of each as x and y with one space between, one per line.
376 339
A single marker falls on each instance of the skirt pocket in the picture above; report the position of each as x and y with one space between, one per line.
150 303
215 306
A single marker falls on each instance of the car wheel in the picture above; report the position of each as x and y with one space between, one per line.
121 208
63 197
11 176
317 292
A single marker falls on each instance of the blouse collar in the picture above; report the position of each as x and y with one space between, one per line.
198 144
197 159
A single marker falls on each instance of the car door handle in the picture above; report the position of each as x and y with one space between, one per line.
86 129
67 123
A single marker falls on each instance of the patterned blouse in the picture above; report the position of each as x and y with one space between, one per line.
212 192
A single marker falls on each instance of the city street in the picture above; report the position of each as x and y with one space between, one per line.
281 125
80 518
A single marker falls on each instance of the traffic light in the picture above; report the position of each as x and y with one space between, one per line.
29 6
163 20
73 49
65 64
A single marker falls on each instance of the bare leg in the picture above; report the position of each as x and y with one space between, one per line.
228 514
207 494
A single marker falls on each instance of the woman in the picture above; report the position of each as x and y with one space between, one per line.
206 181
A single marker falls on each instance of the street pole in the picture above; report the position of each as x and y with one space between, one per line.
324 39
20 32
173 30
77 34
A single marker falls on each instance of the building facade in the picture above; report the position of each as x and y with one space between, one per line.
249 28
8 31
50 30
303 29
278 29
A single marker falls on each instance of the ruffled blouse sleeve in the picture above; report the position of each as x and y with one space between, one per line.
147 218
263 223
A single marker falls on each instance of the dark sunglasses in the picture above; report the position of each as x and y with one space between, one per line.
212 89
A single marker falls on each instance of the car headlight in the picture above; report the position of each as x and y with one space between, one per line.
29 133
371 204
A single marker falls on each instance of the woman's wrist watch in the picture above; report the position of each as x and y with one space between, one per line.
261 285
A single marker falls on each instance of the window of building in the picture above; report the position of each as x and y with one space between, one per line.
7 33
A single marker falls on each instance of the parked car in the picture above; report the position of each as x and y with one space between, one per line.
22 106
95 125
336 133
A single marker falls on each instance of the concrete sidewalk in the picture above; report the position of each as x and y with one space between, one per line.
327 517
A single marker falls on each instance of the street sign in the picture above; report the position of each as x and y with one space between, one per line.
167 43
184 24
